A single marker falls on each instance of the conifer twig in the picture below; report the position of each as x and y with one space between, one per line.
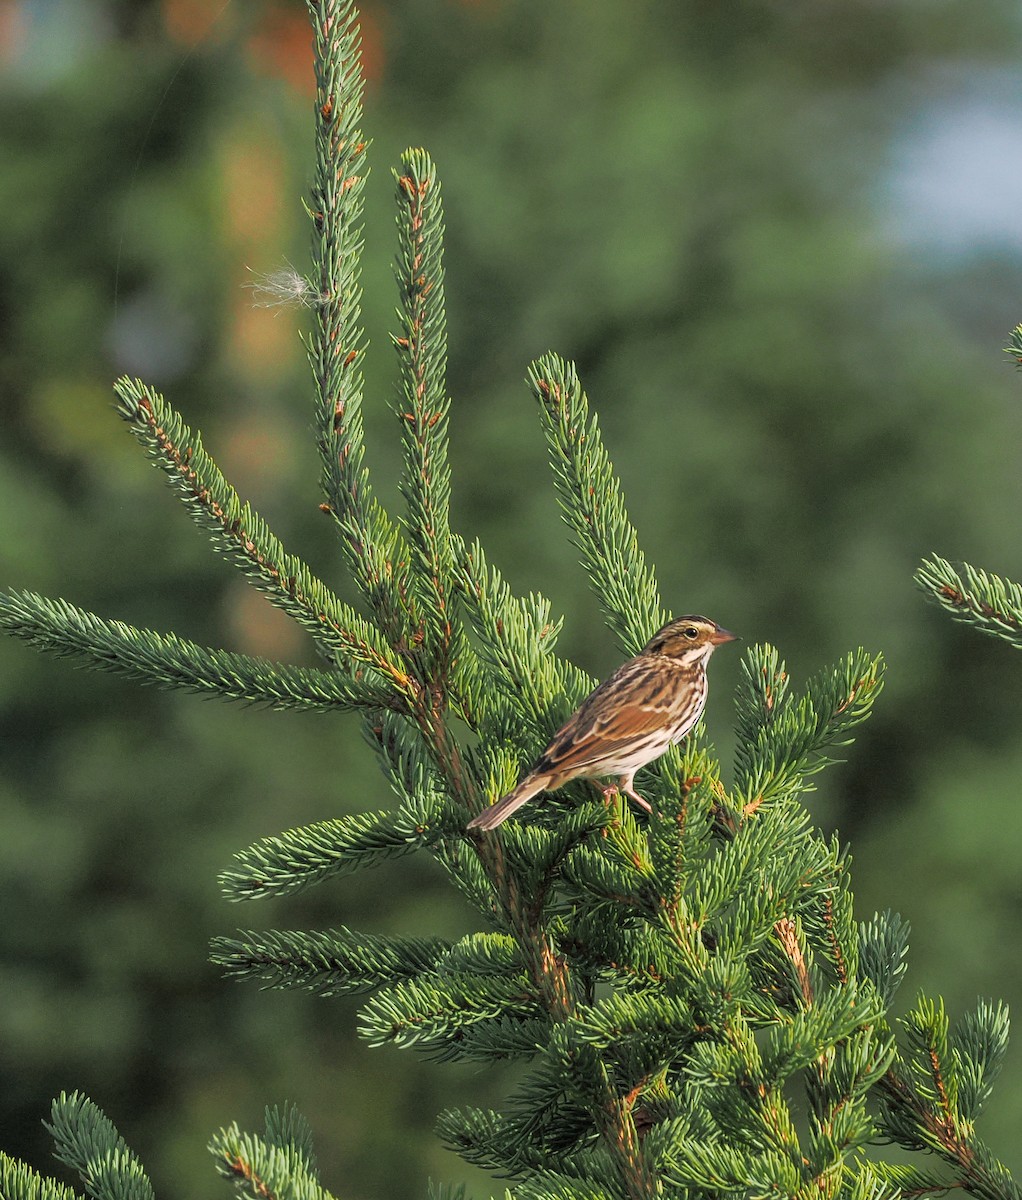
268 1167
243 538
516 641
329 962
87 1141
168 661
298 858
594 508
17 1179
336 346
975 1170
782 738
975 597
423 401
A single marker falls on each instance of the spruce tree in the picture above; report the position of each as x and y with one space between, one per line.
696 1009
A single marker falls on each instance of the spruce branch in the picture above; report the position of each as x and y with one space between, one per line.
168 661
828 918
505 1038
288 1130
557 995
717 1168
656 1025
930 1101
916 1122
751 885
1014 346
19 1182
423 403
811 1032
680 831
468 873
782 740
87 1141
331 962
336 346
516 638
883 945
481 954
539 855
299 858
548 1124
487 1139
916 1179
593 506
552 1185
429 1012
241 536
979 1044
424 805
866 1183
275 1166
975 597
445 1191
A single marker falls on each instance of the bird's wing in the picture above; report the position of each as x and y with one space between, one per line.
632 704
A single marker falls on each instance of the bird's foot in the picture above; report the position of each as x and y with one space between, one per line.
615 789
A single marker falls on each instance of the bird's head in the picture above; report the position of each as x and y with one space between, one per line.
690 639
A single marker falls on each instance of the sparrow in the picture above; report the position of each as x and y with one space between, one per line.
650 702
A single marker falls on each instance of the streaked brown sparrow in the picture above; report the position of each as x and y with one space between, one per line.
649 703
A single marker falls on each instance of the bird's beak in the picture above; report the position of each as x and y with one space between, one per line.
723 635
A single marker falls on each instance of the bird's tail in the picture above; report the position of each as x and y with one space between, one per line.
501 809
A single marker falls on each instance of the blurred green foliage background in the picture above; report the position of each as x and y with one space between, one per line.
780 239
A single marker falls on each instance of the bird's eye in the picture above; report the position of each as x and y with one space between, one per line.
691 633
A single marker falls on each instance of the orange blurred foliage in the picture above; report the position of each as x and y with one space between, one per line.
192 22
260 347
281 47
253 213
253 182
256 627
12 29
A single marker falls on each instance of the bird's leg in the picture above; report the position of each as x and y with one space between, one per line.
626 786
642 803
